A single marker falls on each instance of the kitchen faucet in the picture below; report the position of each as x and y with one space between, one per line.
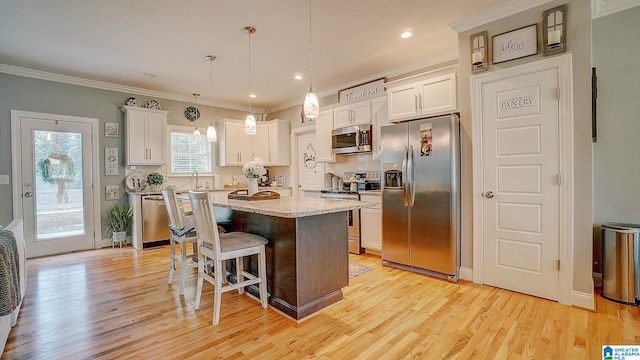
197 184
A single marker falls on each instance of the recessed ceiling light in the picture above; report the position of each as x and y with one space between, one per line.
406 35
298 77
149 75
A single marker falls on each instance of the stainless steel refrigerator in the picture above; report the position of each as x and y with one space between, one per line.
420 196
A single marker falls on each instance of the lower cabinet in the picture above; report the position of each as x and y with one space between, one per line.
371 223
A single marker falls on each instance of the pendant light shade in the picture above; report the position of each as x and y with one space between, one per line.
250 121
250 125
196 132
212 135
311 106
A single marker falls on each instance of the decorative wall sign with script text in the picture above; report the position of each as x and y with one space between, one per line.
372 88
515 44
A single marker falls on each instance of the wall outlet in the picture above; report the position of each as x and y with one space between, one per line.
4 179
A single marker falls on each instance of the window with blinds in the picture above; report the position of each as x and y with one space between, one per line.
188 154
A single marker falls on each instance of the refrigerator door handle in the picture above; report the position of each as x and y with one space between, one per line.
411 194
405 179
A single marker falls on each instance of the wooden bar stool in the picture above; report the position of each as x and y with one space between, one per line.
183 232
219 247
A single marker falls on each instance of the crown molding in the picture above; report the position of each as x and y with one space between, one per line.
495 13
395 72
607 7
43 75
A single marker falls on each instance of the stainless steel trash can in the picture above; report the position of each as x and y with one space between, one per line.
621 262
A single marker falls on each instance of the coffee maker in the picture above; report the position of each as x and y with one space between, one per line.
264 179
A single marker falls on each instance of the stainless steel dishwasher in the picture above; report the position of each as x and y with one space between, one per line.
155 220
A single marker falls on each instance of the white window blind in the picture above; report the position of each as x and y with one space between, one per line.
188 154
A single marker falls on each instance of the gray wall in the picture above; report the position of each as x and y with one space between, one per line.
34 95
579 44
616 170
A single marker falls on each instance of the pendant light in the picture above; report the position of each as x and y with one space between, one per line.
196 132
311 105
250 121
212 135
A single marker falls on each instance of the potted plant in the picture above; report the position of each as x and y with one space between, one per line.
155 180
119 218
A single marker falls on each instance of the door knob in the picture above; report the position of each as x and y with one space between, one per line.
28 194
489 194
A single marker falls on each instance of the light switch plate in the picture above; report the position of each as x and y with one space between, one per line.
4 179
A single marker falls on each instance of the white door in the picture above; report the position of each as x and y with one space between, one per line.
310 171
56 184
521 176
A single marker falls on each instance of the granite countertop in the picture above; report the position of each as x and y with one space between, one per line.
287 207
179 191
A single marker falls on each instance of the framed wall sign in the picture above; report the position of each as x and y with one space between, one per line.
372 88
111 129
515 44
112 192
111 161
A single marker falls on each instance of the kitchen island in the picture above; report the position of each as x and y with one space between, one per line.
307 257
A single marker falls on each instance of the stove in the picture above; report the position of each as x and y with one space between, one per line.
365 181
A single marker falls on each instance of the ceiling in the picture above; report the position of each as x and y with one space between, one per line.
120 41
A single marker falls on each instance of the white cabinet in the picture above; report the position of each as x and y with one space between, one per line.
271 142
324 126
352 114
428 97
235 147
145 131
371 223
379 119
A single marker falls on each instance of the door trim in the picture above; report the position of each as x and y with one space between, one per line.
293 169
565 118
16 156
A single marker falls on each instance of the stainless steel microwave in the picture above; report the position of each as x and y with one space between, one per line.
351 139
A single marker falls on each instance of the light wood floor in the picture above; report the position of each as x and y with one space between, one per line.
116 304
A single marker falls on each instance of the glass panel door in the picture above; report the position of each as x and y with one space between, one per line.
58 186
56 157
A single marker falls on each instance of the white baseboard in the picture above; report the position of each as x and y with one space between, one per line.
583 300
578 298
466 274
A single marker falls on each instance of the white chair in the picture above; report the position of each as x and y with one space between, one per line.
182 231
219 247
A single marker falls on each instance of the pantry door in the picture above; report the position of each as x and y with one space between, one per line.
54 175
309 172
521 182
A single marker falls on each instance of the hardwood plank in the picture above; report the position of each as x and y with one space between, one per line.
116 303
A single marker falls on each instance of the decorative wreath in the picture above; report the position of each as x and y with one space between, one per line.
56 167
192 113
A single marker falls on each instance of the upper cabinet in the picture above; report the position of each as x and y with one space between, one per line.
270 143
324 126
145 131
378 120
432 96
235 147
352 114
